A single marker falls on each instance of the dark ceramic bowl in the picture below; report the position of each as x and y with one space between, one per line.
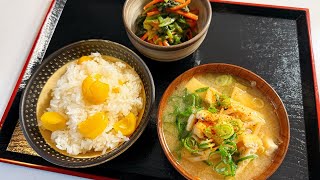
28 104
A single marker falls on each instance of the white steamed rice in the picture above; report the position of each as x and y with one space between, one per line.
67 99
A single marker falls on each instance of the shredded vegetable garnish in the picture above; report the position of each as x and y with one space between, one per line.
167 22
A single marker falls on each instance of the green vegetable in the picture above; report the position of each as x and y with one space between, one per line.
233 137
177 39
178 27
166 4
212 109
206 144
170 26
185 105
226 166
224 131
190 144
167 21
208 161
208 131
253 156
170 36
237 125
224 80
139 24
204 89
226 169
223 101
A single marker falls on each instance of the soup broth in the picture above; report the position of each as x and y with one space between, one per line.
198 143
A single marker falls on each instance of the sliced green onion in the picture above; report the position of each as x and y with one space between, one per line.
233 137
229 146
253 156
187 112
237 125
223 80
224 131
180 125
208 161
225 101
206 144
204 89
212 109
208 131
190 144
258 103
225 169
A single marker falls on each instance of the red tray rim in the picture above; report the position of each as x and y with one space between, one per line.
86 175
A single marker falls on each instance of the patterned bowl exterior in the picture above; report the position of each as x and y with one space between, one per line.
51 64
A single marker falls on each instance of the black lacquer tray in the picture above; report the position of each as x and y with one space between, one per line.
271 41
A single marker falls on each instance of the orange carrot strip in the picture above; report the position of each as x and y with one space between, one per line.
165 43
160 43
187 14
151 3
151 13
181 5
144 37
155 37
180 1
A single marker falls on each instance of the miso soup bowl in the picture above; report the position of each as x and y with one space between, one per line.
243 73
133 8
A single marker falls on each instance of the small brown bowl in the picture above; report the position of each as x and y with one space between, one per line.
243 73
133 8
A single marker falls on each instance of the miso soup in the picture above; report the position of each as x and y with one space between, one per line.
220 126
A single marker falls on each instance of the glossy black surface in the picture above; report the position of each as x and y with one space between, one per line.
273 43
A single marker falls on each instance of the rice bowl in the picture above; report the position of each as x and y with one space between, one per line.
125 95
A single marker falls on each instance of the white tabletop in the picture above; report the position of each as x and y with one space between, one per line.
20 21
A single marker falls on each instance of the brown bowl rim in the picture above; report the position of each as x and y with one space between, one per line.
164 146
173 47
